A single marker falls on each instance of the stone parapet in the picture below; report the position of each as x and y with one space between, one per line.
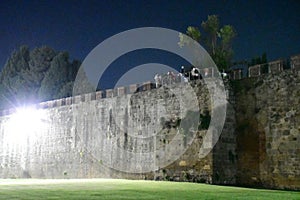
133 88
254 71
295 62
236 74
121 91
99 95
109 93
275 66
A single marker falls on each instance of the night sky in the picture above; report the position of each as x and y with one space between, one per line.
78 26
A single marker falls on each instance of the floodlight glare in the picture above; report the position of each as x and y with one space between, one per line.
24 124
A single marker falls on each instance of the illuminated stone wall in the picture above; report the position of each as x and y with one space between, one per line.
90 136
259 145
268 131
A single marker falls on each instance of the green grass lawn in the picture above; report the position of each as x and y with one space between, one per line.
128 189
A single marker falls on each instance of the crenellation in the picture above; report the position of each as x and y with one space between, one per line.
133 88
69 100
109 93
59 102
295 62
121 91
51 104
92 96
99 95
88 97
82 98
254 71
275 66
76 99
237 74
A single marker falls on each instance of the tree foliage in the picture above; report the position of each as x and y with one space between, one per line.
217 41
211 28
194 33
258 60
14 84
38 75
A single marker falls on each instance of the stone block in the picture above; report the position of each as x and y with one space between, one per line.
88 97
295 62
77 99
51 104
237 74
133 88
63 101
82 98
109 93
121 91
58 102
93 96
254 71
99 95
68 100
275 66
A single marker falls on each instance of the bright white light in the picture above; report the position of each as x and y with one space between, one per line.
23 124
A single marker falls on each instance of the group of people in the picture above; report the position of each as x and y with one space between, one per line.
193 73
169 78
186 74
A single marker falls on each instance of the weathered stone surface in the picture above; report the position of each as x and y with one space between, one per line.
259 144
268 124
99 137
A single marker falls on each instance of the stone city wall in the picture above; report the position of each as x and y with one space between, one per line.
268 130
258 147
90 136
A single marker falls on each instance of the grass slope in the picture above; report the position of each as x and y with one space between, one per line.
127 189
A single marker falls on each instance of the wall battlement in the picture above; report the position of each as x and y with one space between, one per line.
272 67
109 93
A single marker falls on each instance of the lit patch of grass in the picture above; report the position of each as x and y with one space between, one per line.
128 189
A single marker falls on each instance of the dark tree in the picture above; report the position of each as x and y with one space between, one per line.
37 75
58 80
217 41
264 58
257 60
14 84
